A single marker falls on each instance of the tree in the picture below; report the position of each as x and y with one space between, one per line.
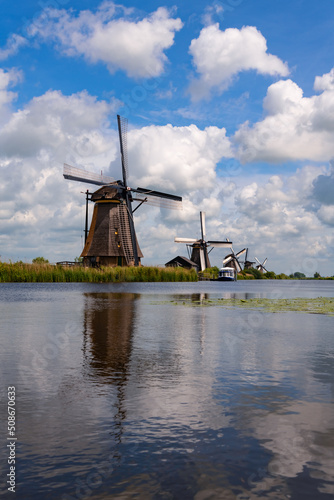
299 275
317 275
255 272
40 260
270 275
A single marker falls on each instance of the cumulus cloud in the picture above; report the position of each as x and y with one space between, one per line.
324 82
7 79
176 158
134 46
276 218
13 44
40 209
323 187
294 128
219 56
56 122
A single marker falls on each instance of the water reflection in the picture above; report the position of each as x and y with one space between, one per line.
108 324
108 330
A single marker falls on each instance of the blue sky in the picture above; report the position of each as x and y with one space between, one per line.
230 105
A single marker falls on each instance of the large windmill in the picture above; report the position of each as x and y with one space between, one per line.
200 254
232 260
112 240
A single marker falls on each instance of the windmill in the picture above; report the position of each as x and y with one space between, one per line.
260 266
232 260
200 254
112 240
248 264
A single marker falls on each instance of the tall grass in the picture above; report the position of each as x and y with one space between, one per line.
48 273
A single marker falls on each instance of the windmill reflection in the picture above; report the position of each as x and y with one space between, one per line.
108 325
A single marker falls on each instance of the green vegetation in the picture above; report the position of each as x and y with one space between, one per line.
297 275
48 273
40 260
250 274
319 305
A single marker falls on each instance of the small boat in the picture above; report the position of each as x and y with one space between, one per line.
227 274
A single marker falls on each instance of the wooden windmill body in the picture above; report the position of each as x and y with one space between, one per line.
199 247
112 240
109 239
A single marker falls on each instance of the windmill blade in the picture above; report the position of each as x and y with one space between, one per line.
122 131
202 219
161 202
237 265
81 175
257 260
241 252
186 240
263 263
202 259
220 244
159 199
227 259
159 194
123 142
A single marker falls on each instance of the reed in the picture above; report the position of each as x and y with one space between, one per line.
48 273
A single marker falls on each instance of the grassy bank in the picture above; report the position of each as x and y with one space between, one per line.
20 272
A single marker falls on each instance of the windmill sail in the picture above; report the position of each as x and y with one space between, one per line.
81 175
123 141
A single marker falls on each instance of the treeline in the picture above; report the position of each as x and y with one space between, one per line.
21 272
251 274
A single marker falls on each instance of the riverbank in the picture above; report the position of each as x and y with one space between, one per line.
20 272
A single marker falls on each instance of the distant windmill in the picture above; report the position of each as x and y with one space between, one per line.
112 238
232 260
260 266
247 263
200 254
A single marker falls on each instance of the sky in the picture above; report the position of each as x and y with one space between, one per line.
230 104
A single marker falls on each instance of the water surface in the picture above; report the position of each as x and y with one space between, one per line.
121 394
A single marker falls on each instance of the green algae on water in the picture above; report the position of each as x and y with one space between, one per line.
319 305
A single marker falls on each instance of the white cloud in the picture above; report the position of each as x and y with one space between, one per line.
56 122
7 79
326 214
219 56
295 127
176 158
14 43
324 82
136 47
276 218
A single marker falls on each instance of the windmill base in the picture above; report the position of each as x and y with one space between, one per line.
106 261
